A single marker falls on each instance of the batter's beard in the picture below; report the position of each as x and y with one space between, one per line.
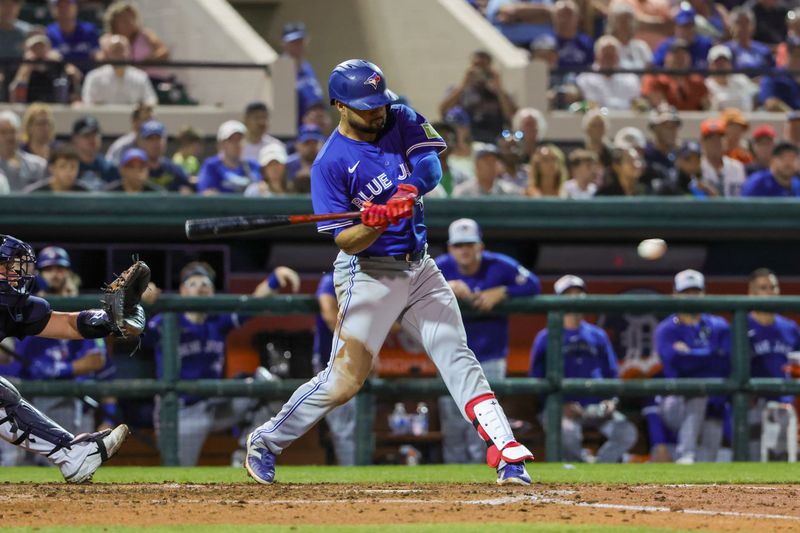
366 129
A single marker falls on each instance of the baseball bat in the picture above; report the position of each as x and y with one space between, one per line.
214 228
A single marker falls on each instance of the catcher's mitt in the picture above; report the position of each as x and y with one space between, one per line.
122 297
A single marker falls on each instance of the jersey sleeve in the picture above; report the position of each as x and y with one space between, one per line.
228 323
417 132
518 280
538 355
326 286
208 178
610 364
152 333
35 316
329 194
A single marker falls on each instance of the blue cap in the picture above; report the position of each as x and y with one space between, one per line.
132 153
310 132
684 17
152 127
359 84
689 148
53 256
293 31
457 115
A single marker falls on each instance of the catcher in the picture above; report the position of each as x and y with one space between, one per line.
22 315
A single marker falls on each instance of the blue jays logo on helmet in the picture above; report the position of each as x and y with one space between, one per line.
359 84
16 270
374 79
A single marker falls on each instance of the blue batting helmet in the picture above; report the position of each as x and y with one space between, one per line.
17 261
53 256
359 84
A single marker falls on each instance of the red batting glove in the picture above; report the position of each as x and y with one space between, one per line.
401 205
375 216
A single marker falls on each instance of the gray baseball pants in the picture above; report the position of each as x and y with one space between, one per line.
372 294
460 442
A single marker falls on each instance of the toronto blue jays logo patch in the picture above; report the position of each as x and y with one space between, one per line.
374 79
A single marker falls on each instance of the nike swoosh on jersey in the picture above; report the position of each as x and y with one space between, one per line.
353 168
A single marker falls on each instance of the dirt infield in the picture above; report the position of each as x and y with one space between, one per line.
708 507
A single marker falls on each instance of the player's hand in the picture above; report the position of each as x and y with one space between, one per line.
506 14
487 299
91 362
401 205
607 407
287 278
461 289
375 216
573 410
151 294
680 346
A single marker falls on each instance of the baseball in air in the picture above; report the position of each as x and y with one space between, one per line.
652 249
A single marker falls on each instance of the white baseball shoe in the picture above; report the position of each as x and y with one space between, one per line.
97 448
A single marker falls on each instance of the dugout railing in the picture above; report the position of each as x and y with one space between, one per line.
739 385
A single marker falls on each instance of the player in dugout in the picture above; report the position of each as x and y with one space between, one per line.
480 279
588 354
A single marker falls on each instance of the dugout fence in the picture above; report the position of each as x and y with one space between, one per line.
739 385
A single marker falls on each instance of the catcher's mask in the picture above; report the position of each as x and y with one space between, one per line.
17 264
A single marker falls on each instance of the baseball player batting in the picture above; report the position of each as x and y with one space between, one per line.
381 159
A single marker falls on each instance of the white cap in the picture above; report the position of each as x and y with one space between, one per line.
229 128
567 282
689 279
630 137
718 51
272 152
463 231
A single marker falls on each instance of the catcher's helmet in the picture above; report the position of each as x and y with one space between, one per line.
17 262
359 84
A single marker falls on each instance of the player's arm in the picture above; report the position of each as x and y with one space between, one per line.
358 238
62 326
328 309
280 278
426 169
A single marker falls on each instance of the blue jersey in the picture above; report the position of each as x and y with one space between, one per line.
52 358
709 343
698 49
309 92
763 183
587 354
215 175
79 45
348 173
758 55
770 346
323 336
487 336
782 86
201 347
575 52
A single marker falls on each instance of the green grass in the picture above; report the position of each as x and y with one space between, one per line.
398 528
741 473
